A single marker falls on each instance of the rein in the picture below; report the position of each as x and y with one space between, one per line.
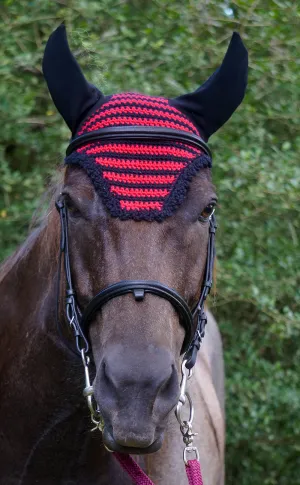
193 320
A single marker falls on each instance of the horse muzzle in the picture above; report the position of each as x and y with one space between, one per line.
133 445
135 393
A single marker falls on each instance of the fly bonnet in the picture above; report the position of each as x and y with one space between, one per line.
138 176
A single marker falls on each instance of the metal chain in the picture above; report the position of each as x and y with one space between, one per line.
88 393
186 425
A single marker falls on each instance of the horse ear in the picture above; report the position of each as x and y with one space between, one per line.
72 95
212 104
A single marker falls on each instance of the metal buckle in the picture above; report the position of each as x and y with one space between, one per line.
190 449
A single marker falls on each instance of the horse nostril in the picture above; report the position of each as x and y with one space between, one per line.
107 376
104 372
170 386
105 387
168 394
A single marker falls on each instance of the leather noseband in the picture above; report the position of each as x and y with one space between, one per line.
138 288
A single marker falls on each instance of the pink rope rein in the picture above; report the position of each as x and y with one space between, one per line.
132 468
128 464
193 471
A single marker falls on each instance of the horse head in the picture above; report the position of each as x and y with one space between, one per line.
138 208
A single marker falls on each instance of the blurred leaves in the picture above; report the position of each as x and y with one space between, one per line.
167 48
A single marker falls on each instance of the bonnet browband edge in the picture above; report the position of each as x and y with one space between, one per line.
138 133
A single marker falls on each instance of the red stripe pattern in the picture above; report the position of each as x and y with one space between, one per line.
136 180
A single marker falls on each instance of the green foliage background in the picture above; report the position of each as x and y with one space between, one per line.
165 47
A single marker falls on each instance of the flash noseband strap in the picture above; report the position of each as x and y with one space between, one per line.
139 134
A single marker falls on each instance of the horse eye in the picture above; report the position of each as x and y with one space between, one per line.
71 206
207 212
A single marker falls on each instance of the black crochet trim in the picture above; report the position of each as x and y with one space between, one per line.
170 204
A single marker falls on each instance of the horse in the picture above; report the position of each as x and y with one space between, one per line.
110 230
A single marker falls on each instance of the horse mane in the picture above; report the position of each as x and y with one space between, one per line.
43 230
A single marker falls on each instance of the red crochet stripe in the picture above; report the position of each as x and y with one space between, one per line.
139 179
139 164
118 104
134 192
140 205
142 111
140 96
149 105
153 103
124 97
139 150
127 121
139 111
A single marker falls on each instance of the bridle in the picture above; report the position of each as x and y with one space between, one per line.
193 320
138 288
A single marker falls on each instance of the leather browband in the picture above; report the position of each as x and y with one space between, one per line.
138 133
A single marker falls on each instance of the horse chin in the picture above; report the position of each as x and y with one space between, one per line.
112 446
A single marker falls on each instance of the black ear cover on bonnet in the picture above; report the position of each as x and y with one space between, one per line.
213 103
72 95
